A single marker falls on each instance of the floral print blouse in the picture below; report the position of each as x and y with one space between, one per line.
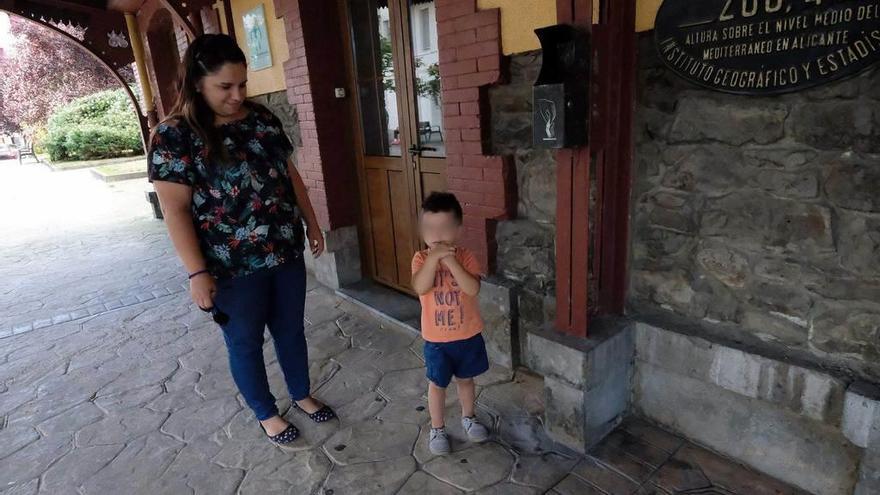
244 212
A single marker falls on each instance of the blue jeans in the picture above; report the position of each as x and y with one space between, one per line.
274 297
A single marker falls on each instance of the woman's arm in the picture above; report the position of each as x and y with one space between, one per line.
175 201
313 230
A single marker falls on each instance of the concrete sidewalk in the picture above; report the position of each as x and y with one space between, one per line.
111 381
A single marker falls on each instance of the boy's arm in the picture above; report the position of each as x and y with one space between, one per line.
469 284
423 276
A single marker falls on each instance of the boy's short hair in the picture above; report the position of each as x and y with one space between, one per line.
441 202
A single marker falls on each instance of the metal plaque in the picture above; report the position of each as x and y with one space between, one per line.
764 47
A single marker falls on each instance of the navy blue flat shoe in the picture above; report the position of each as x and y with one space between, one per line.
322 415
285 437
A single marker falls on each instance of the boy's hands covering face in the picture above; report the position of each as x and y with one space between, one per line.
441 250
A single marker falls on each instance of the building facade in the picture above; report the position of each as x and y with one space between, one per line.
710 261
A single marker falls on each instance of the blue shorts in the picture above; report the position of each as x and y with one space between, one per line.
461 358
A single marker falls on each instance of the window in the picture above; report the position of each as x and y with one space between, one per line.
425 29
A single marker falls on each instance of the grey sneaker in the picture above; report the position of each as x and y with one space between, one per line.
475 430
438 441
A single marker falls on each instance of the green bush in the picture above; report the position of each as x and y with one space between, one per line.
102 125
38 136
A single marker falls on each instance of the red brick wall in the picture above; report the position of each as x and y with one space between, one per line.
182 42
210 20
470 60
327 148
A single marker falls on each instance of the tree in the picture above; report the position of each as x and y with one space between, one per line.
43 70
427 83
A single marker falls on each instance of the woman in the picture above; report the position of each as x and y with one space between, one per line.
231 197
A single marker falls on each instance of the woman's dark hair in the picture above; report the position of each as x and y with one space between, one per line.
205 55
440 202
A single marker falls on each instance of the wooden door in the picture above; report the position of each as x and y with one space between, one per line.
399 131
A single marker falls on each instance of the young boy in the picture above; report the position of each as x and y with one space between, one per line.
447 279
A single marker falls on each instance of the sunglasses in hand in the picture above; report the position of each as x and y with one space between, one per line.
218 316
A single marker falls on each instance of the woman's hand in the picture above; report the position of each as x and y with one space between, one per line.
316 240
202 288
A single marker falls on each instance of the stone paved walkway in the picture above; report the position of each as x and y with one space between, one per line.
111 382
139 394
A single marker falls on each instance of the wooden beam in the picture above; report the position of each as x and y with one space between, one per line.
125 6
573 210
620 94
81 5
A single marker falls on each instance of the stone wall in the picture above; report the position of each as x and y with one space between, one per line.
759 217
286 113
785 420
526 248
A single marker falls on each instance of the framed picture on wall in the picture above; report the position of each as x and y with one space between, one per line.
257 35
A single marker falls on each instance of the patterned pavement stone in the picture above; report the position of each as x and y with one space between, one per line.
525 434
139 464
484 465
327 343
71 421
348 385
33 460
403 359
200 420
572 485
111 381
730 476
623 463
14 438
496 375
542 471
367 406
302 472
604 478
77 467
637 448
373 478
137 397
371 441
413 410
520 397
384 338
119 428
421 483
321 372
652 435
404 384
509 489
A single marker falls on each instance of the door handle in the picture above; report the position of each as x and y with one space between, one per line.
417 150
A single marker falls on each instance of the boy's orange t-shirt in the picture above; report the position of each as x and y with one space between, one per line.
448 314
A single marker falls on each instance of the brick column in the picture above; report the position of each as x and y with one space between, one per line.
316 66
210 20
325 159
470 60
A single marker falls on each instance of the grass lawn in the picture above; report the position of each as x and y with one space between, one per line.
61 166
127 167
